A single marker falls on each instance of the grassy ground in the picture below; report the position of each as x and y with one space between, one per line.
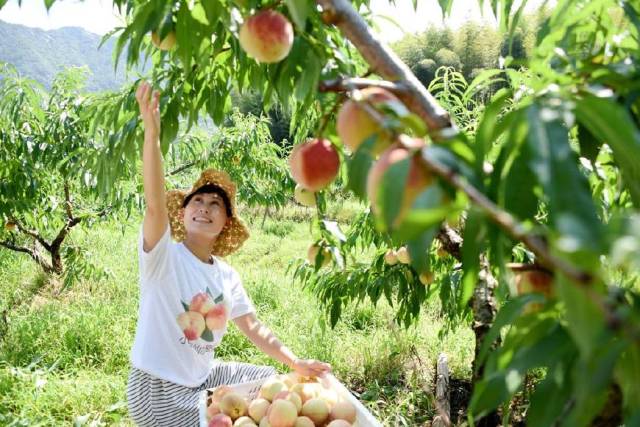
64 355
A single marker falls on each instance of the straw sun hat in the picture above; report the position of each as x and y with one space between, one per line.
234 232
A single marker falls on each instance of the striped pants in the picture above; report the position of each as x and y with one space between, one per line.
154 402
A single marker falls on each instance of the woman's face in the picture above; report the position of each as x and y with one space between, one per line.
205 215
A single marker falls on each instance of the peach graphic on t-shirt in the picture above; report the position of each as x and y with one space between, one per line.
202 303
203 315
216 318
192 324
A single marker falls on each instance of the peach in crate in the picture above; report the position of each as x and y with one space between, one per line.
279 401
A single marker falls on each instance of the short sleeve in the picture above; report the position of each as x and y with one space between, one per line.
153 264
241 303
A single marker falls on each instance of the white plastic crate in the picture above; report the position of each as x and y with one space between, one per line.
250 390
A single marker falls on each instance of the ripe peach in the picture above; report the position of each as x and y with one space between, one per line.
403 255
201 303
538 281
282 414
426 278
339 423
313 251
534 281
212 410
314 164
267 36
264 422
233 405
328 395
316 409
417 181
218 393
304 422
306 391
354 124
192 324
270 388
258 408
216 318
167 43
343 410
290 379
304 196
291 397
244 421
220 420
10 226
391 258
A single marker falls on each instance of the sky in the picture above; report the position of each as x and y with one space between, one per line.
99 16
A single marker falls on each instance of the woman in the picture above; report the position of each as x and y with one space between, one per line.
187 292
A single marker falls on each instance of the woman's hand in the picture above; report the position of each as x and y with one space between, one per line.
310 367
149 109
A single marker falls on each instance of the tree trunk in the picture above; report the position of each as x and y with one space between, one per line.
443 395
484 313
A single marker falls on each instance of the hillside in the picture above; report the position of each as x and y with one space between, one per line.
41 54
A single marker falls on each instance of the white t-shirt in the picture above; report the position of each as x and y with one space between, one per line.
183 306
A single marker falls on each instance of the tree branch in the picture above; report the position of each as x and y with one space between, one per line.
420 101
67 200
386 63
33 234
33 253
505 220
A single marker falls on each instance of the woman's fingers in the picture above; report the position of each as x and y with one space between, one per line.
156 101
142 94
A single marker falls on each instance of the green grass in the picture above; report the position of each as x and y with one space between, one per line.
64 354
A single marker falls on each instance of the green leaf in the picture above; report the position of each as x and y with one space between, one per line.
519 184
391 193
185 306
299 10
358 166
627 374
428 210
500 385
336 311
474 242
486 133
610 122
571 208
199 14
218 299
550 397
207 335
419 249
308 80
586 322
445 6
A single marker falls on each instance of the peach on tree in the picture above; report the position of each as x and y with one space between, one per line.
167 43
267 36
314 164
417 180
355 124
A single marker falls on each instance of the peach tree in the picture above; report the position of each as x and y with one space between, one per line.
47 187
522 219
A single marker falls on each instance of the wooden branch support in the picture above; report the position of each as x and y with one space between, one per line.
443 393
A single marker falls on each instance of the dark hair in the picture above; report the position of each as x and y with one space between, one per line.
211 189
